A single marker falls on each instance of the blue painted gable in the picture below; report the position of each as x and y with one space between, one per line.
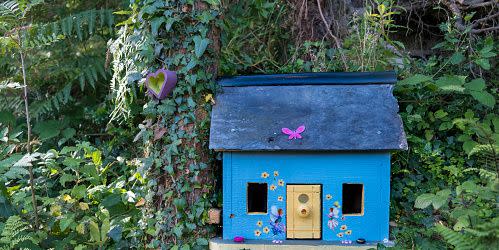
330 169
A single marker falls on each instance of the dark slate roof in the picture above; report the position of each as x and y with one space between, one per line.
341 112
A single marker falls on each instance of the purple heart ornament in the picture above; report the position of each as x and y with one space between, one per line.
161 83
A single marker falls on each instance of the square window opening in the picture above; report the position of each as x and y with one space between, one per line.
353 199
257 198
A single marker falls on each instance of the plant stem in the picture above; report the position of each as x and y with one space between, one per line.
336 40
28 124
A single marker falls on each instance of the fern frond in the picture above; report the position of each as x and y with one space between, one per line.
126 71
6 84
16 232
82 25
458 239
485 174
11 103
9 10
57 100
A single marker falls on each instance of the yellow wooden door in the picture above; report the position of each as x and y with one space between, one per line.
303 215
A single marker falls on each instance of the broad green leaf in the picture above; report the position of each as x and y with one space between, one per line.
439 114
94 231
450 81
79 191
484 98
106 226
457 58
71 162
200 45
66 222
415 79
462 222
80 228
111 200
468 146
441 198
48 129
424 200
97 158
484 63
66 178
476 84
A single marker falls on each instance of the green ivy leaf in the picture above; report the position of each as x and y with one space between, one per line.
202 241
213 2
155 24
200 45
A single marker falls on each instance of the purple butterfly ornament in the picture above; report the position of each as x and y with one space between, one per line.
294 134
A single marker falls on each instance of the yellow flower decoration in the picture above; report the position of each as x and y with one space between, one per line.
348 232
259 223
280 182
266 230
337 204
343 227
265 175
276 173
329 197
280 198
339 235
258 233
272 187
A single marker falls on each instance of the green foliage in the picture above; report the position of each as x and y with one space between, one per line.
177 36
16 235
253 38
123 171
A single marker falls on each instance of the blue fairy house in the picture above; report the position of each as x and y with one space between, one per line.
307 156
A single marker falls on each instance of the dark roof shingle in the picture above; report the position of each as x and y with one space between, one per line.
336 117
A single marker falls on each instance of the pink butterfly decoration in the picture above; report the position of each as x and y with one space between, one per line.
294 134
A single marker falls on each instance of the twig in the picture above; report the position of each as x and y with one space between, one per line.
478 5
476 31
336 40
28 124
481 20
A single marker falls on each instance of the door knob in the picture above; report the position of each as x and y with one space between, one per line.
303 211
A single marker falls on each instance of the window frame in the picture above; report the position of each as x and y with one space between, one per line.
266 201
362 202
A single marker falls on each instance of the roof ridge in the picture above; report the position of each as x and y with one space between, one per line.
320 78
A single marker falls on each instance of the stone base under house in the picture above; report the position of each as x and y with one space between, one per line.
220 244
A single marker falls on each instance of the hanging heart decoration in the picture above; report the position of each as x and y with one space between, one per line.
161 83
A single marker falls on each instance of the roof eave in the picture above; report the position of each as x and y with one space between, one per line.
321 78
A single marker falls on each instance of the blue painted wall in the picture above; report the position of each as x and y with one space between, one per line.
329 169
